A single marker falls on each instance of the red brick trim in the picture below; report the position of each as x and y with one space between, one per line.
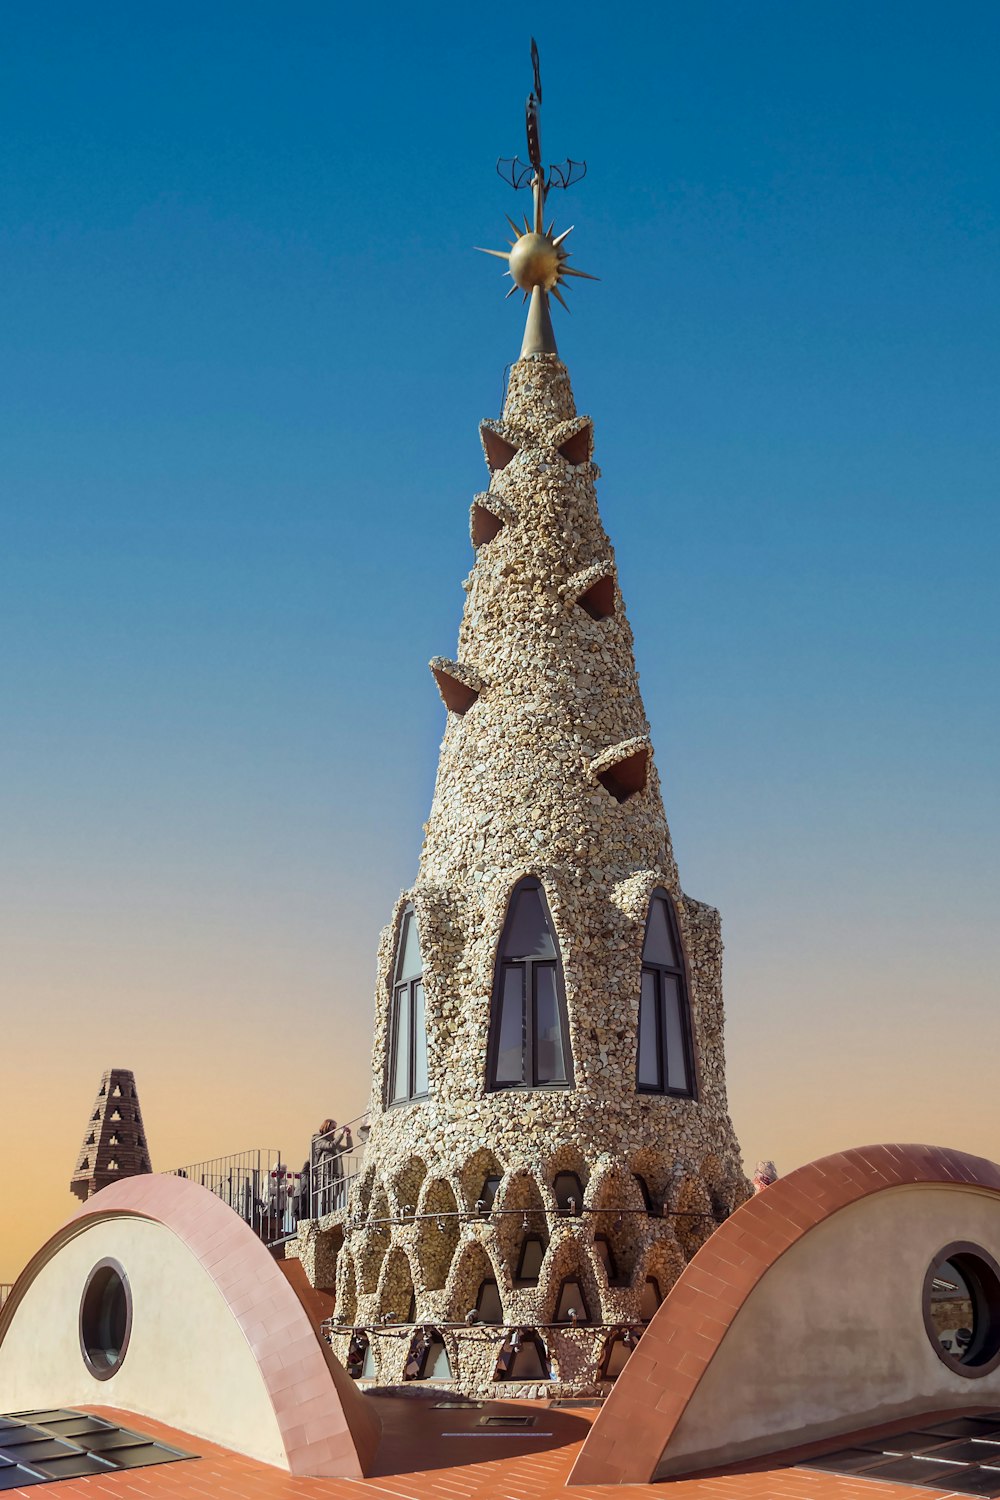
328 1426
634 1427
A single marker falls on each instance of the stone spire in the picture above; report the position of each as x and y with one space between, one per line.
573 1177
114 1142
550 1138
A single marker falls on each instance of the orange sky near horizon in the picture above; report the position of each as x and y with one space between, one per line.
823 1053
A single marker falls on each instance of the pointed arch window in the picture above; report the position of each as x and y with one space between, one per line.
664 1054
408 1029
530 1044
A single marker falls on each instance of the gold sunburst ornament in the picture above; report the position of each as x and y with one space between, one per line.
536 259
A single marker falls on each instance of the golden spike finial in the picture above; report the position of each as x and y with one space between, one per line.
536 262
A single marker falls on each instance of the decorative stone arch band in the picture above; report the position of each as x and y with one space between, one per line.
217 1342
834 1257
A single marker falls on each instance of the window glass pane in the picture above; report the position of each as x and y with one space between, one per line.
409 964
550 1062
953 1311
419 1041
649 1299
528 934
437 1365
532 1253
527 1364
510 1043
649 1056
400 1070
673 1022
368 1364
571 1299
488 1303
617 1358
659 945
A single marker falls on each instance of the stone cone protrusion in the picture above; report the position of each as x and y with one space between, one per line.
546 773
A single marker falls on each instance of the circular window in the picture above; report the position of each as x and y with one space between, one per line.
105 1319
962 1308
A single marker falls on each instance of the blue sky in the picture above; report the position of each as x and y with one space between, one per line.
244 346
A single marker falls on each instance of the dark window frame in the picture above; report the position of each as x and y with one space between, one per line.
529 968
609 1350
432 1336
507 1357
107 1275
404 992
488 1281
529 1238
680 973
611 1269
570 1178
655 1282
982 1275
583 1318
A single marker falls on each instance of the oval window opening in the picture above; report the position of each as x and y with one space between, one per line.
105 1319
962 1309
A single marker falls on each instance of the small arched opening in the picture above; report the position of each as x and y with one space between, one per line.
428 1357
523 1356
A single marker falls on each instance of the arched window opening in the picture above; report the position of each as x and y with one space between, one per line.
488 1193
569 1192
649 1299
664 1053
360 1357
529 1261
571 1304
616 1354
606 1255
647 1196
488 1305
530 1043
428 1357
523 1357
408 1030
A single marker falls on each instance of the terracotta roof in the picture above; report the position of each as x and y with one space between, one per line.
419 1460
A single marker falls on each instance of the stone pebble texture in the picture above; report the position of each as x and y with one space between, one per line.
545 770
114 1142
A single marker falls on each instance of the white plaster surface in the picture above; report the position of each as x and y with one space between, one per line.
832 1339
187 1363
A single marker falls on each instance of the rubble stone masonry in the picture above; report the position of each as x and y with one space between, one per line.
545 770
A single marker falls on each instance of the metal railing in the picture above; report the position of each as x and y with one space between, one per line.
255 1184
335 1160
270 1196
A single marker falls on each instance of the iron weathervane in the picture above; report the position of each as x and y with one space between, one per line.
537 260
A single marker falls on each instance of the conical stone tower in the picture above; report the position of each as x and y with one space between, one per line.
550 1140
114 1142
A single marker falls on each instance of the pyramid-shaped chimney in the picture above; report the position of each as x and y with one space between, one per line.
114 1142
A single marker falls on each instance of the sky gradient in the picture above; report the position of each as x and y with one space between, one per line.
244 347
